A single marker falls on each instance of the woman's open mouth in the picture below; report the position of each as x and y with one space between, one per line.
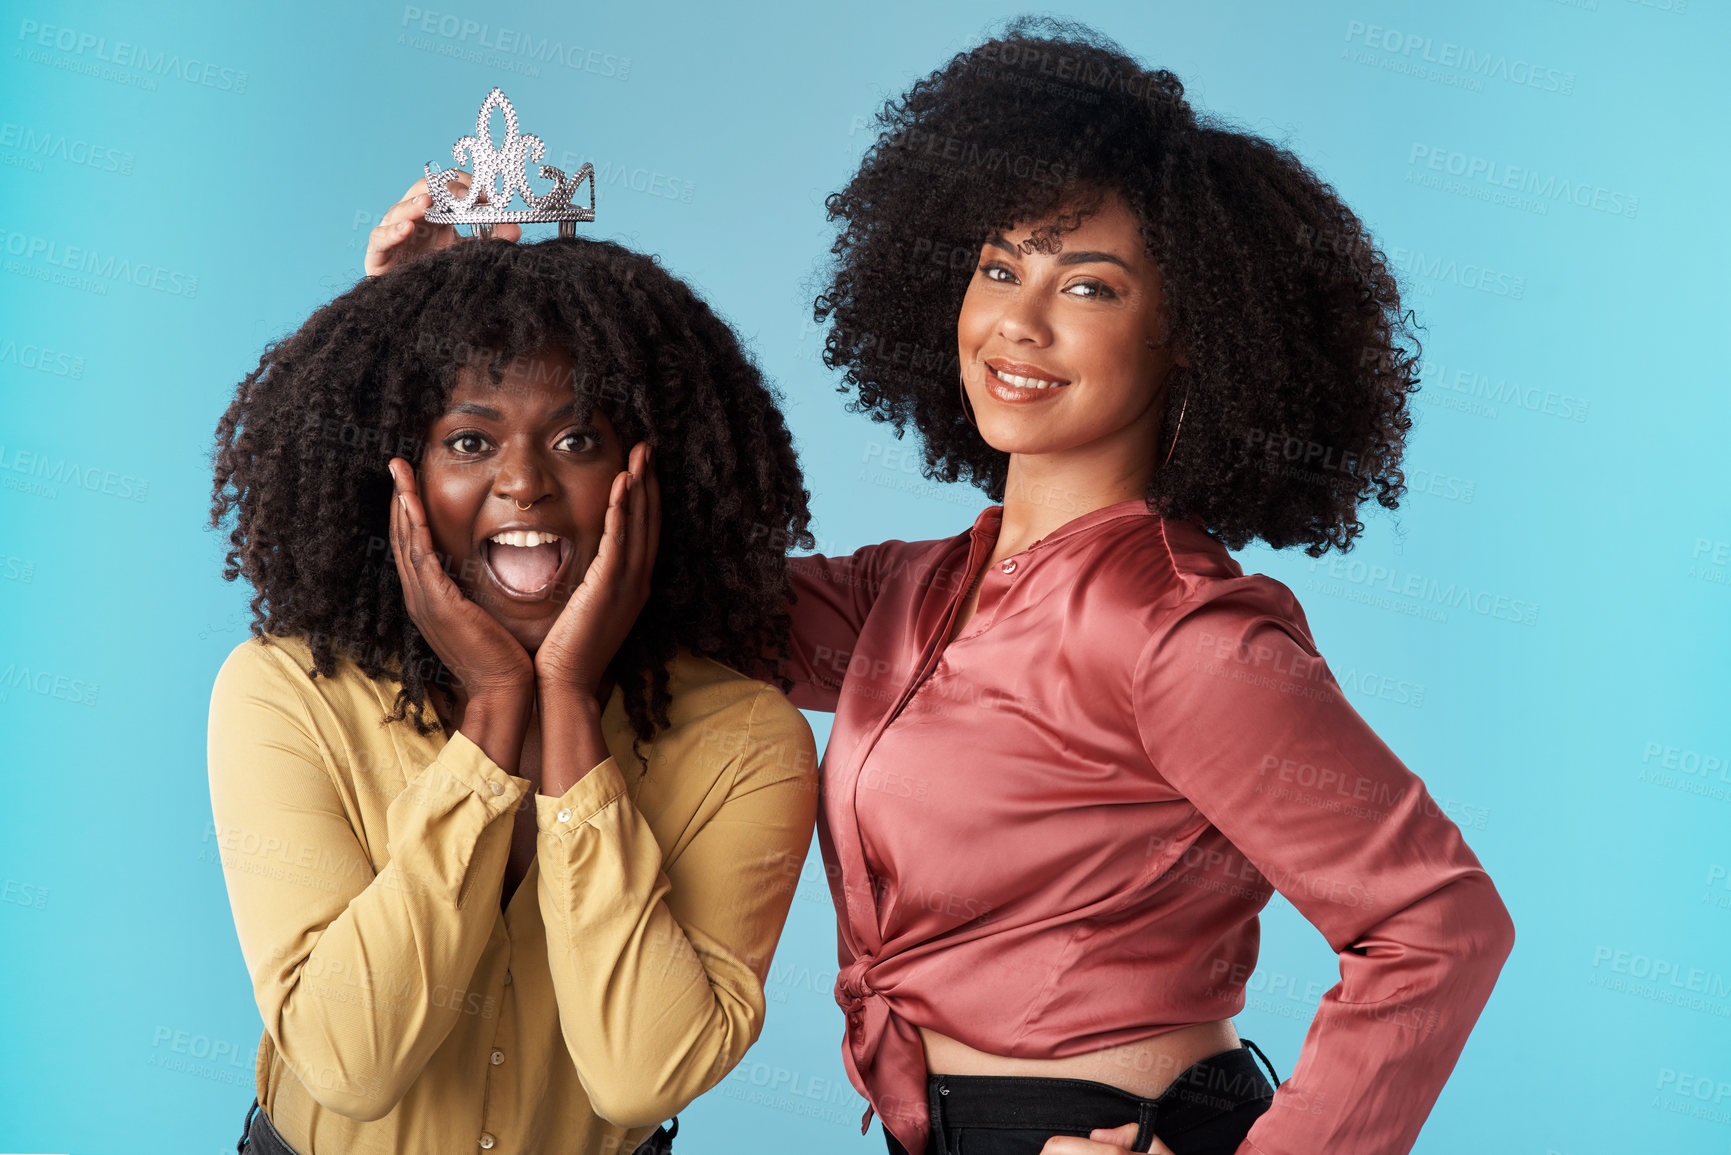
525 564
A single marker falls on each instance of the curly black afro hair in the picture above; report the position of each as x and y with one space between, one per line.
301 455
1300 360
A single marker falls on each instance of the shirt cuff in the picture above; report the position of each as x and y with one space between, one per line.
588 796
467 766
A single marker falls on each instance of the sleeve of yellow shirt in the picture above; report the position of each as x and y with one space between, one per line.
659 974
345 962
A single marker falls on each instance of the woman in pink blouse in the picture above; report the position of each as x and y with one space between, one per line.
1076 748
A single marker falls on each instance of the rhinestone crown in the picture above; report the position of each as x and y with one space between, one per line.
509 164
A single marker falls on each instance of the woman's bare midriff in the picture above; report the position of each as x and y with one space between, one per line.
1144 1068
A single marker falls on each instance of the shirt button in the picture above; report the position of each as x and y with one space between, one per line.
507 978
486 1140
564 816
497 789
1009 566
498 1057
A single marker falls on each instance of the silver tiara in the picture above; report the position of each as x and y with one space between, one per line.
509 163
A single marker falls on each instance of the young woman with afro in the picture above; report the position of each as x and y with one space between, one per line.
508 836
1076 747
1152 339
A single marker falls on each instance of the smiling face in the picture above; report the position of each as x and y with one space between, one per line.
1055 347
497 449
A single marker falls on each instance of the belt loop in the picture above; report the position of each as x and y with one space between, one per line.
1146 1111
936 1089
1265 1061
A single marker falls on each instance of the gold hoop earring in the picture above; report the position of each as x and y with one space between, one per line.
966 411
1179 428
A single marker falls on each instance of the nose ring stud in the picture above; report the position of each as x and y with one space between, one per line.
519 504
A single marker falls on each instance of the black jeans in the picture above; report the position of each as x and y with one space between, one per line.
258 1137
1207 1110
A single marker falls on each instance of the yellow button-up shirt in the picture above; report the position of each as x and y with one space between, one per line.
403 1010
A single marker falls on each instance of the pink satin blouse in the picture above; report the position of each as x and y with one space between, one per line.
1054 833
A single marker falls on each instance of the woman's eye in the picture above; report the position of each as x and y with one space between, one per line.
466 443
996 273
581 440
1092 289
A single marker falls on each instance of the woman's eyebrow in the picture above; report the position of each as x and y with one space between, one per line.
475 409
1087 257
471 409
1079 257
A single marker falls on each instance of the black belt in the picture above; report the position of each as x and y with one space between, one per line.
259 1137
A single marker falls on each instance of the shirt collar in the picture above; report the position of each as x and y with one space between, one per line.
991 519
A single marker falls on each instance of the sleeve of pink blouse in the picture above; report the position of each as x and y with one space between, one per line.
1239 713
832 596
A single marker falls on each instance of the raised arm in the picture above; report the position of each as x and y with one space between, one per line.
1239 713
346 963
347 966
832 596
658 963
658 968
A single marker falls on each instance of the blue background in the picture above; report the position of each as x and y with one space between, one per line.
1569 456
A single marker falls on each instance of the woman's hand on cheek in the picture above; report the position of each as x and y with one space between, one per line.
601 611
486 660
1102 1141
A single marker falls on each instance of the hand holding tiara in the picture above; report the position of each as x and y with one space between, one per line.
417 224
405 234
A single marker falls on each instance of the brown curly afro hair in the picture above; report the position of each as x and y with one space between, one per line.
301 453
1300 360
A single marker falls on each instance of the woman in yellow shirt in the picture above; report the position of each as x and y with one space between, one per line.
508 839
